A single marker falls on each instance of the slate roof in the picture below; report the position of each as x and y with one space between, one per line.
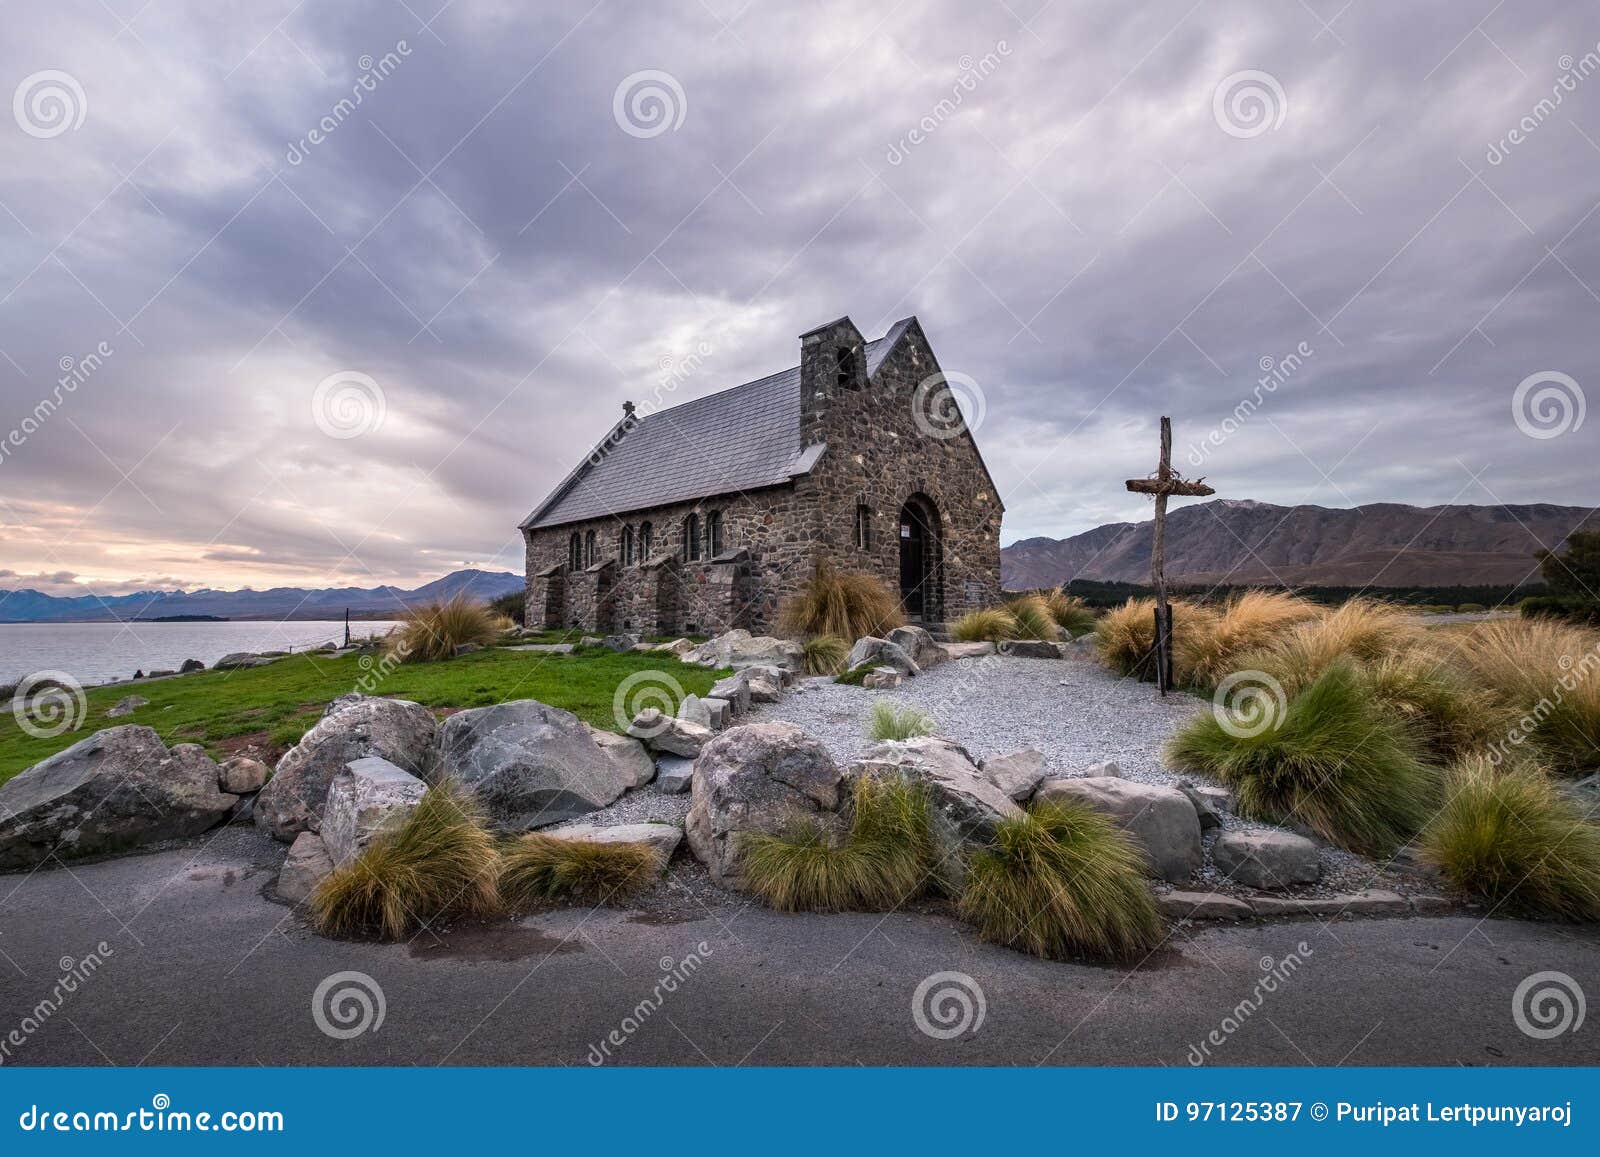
742 438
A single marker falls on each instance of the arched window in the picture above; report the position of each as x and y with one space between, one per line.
691 538
574 552
625 544
844 365
863 526
644 542
713 533
591 548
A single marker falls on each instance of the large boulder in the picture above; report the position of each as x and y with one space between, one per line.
881 653
242 775
239 659
370 798
765 683
753 779
662 839
117 789
738 648
531 764
669 734
919 644
735 690
1266 859
1030 649
628 754
1018 774
353 727
306 866
1161 819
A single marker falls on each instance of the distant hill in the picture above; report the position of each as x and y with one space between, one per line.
30 606
1384 545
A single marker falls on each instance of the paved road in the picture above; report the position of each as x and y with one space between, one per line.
204 970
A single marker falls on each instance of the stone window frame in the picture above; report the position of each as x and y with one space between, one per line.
646 532
575 552
844 366
713 533
863 526
625 544
591 547
691 536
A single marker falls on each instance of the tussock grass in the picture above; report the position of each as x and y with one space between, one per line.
441 865
887 721
842 603
1034 618
812 865
1062 881
1361 630
1210 651
1071 614
1452 717
1549 672
989 625
1340 762
824 655
544 868
435 631
1509 836
1126 636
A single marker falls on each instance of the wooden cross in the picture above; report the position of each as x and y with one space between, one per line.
1165 484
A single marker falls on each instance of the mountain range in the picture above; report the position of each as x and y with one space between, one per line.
297 603
1240 541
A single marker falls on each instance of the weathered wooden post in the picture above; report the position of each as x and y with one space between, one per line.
1164 484
347 626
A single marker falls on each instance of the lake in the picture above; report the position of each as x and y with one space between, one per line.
104 652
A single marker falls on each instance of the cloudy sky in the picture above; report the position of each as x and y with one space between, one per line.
314 340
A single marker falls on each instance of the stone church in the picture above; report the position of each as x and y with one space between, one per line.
704 516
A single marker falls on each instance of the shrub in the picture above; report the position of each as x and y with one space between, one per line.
991 625
1334 760
1471 608
1071 614
512 605
1250 620
1575 610
1511 837
845 604
1361 630
1062 881
1126 636
884 859
1033 618
545 868
441 864
824 655
890 722
1550 673
856 675
1451 717
435 631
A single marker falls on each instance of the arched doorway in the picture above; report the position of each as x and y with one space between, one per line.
920 592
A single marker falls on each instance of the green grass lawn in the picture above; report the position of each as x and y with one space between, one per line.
271 707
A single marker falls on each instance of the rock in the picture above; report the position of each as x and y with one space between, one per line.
369 798
753 779
967 806
881 653
529 763
126 706
919 644
241 774
967 650
765 684
739 649
116 789
466 649
1209 803
306 866
1202 906
353 727
161 674
620 643
237 660
662 839
244 812
190 665
1266 859
1017 774
1106 767
591 641
735 691
545 648
1368 903
628 754
642 647
676 647
712 713
674 774
665 733
1030 649
882 679
1161 818
1432 905
720 710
